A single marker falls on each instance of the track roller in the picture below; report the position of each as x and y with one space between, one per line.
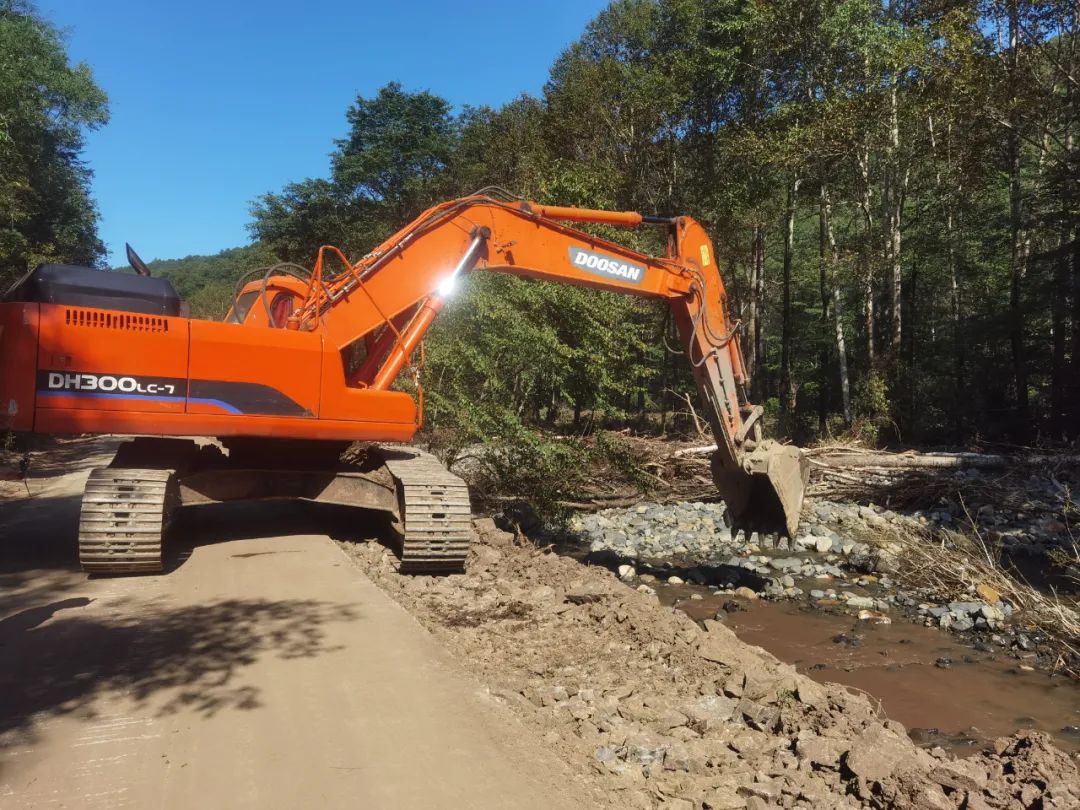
124 514
435 513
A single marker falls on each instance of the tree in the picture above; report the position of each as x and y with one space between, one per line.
46 105
389 168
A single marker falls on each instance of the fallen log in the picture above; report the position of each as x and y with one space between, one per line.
847 460
694 451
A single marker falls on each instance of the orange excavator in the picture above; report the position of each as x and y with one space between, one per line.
304 366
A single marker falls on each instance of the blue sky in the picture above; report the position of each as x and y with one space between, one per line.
215 103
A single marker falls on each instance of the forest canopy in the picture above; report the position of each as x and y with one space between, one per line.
891 187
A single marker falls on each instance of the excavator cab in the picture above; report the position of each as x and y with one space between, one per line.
268 304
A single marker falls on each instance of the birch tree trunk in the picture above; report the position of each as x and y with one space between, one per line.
826 301
759 298
787 386
867 260
894 207
1017 259
833 261
1062 274
948 198
750 349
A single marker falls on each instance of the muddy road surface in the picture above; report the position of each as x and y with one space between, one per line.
262 671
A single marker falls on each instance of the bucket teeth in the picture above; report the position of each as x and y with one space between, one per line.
123 516
436 517
767 493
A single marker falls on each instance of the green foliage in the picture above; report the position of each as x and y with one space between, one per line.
207 283
936 172
392 166
398 146
46 104
524 463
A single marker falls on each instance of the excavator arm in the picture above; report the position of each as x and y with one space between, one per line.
385 303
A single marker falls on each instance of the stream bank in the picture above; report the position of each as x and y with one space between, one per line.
847 601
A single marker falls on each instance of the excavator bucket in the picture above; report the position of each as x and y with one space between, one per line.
766 495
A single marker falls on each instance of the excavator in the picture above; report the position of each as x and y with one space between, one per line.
301 385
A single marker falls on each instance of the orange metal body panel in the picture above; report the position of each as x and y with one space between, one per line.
101 346
339 401
18 355
57 420
521 243
289 362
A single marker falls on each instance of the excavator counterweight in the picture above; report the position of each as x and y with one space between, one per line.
304 365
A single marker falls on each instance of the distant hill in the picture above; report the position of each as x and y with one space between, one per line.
207 282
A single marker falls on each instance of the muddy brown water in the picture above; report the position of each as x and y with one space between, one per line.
962 707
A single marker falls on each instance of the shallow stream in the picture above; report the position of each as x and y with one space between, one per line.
945 692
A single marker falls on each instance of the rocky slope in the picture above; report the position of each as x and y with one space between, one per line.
654 710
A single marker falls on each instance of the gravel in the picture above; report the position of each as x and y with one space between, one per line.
838 547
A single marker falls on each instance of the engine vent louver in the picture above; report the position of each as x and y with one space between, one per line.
115 320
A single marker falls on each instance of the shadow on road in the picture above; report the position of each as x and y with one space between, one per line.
61 650
56 660
218 523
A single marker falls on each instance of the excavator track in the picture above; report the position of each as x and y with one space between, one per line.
124 514
435 513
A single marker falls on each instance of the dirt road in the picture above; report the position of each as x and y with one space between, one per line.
264 673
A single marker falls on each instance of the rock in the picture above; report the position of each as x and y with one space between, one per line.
934 798
877 753
745 593
485 525
710 713
627 572
677 758
877 617
861 602
604 754
960 774
670 719
723 798
824 545
542 593
761 717
822 752
767 791
748 743
786 563
988 593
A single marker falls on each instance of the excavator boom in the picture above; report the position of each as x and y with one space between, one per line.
405 281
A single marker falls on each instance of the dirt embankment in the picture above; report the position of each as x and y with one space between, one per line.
657 710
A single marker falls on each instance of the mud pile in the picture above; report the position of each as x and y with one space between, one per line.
652 709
